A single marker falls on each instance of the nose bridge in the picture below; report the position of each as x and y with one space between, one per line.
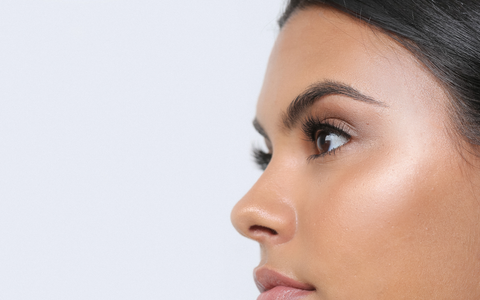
267 212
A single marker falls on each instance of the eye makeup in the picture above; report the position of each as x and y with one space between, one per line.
326 136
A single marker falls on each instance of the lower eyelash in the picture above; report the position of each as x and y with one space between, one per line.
314 156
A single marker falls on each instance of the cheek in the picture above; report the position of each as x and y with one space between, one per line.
390 222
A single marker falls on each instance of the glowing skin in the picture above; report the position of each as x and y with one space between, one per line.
392 213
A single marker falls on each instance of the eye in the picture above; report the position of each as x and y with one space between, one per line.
326 135
327 140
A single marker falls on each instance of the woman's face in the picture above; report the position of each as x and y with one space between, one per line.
368 193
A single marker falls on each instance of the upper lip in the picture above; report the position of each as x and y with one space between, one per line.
266 279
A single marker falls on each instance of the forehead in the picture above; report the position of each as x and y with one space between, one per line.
320 43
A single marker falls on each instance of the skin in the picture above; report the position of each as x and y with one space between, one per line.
391 214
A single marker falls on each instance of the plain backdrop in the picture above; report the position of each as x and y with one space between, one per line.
125 136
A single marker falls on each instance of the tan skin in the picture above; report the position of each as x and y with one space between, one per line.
392 212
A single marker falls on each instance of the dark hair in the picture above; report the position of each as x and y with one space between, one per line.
443 34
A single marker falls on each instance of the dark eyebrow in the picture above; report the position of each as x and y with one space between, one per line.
316 91
259 128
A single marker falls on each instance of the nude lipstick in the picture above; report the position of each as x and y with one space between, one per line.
275 286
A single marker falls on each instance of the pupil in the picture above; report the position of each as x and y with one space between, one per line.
322 143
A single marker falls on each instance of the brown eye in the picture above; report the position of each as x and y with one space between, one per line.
328 140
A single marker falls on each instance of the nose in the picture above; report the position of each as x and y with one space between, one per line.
266 213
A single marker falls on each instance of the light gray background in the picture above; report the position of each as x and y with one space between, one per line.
125 131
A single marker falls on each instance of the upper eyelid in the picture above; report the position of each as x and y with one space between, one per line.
334 128
311 124
340 126
317 92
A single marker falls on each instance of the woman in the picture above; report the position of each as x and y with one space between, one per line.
370 111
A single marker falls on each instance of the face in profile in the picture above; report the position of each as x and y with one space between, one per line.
367 192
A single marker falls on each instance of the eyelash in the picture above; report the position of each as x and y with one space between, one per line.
261 158
310 127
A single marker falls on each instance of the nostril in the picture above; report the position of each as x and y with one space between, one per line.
255 229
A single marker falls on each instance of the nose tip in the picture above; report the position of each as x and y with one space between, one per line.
264 216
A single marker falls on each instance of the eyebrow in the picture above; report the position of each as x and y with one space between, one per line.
312 94
315 92
259 128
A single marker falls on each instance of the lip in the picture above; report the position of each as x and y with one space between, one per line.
275 286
